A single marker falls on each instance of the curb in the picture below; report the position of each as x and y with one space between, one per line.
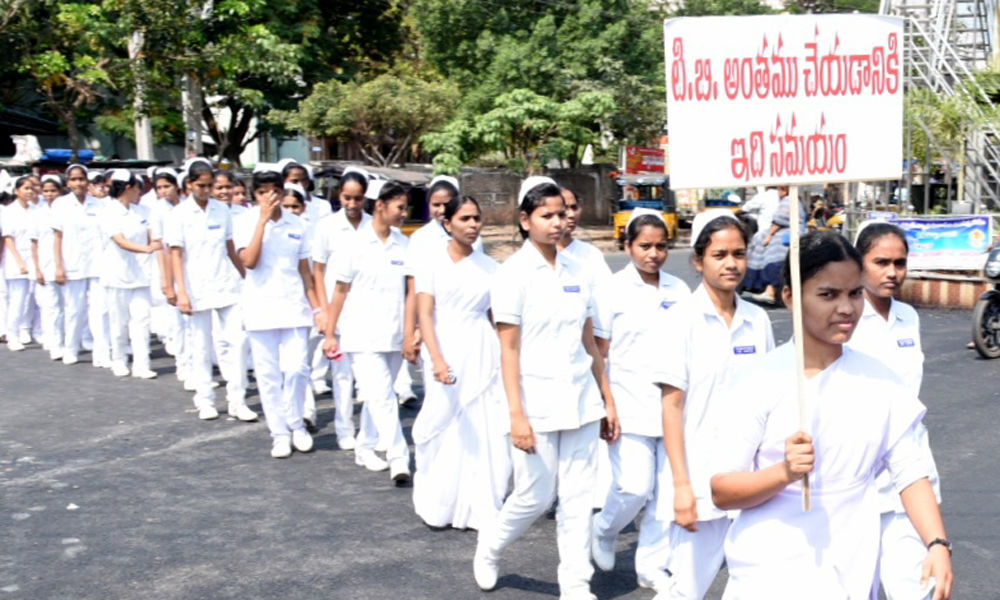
942 290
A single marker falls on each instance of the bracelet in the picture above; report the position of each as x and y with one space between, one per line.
316 311
940 542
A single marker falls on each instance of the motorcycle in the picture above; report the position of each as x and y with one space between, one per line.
986 313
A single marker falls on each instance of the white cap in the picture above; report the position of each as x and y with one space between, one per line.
94 175
359 171
266 167
181 180
704 218
641 211
531 183
53 178
311 172
375 188
446 179
76 166
186 167
151 171
165 171
122 175
297 188
285 162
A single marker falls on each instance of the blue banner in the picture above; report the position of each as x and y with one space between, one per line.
958 243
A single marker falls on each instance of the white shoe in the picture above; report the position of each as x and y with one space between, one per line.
207 413
191 386
56 354
485 568
601 551
25 337
119 369
407 398
15 345
659 582
369 460
320 388
579 595
144 373
101 363
399 471
242 412
346 443
302 441
281 447
382 447
70 359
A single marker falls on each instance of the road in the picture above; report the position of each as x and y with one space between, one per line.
114 489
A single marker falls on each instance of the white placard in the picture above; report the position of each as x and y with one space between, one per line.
755 100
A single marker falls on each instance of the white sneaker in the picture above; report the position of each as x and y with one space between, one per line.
281 447
601 551
144 373
485 568
207 412
191 386
101 363
25 337
399 471
320 388
119 369
346 443
70 359
15 345
369 460
407 398
242 412
302 441
56 354
659 582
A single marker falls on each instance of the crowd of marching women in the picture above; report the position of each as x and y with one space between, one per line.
537 371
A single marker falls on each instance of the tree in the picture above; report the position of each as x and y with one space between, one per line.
383 117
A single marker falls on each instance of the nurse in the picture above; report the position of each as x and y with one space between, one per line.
631 308
588 254
126 229
554 379
165 319
713 335
18 267
279 306
373 273
97 185
890 330
207 274
77 247
860 419
462 461
333 237
48 295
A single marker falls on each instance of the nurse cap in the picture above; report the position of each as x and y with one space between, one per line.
266 167
642 211
531 183
446 179
287 162
53 178
297 188
375 188
704 218
76 166
122 175
186 167
165 171
359 171
94 175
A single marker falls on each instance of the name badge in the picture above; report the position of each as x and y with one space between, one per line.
666 304
571 289
295 236
90 214
745 350
398 263
215 226
143 222
906 343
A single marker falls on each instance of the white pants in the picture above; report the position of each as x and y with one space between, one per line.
636 463
375 372
696 557
901 558
199 348
280 358
403 384
225 342
84 304
50 304
128 314
343 387
3 306
320 364
315 357
564 465
18 315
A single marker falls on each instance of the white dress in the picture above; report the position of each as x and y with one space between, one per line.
862 420
461 450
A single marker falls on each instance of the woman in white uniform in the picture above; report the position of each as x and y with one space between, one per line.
278 305
554 380
631 307
124 275
460 448
48 294
859 419
165 319
712 334
890 330
371 293
18 267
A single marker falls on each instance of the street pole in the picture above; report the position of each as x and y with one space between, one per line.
143 127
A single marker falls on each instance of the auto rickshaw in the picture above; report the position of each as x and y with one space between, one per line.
645 191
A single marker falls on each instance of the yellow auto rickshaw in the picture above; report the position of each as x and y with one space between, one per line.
646 191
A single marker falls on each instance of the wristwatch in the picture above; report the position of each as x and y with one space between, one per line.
940 542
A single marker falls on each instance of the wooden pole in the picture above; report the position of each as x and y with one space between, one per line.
800 355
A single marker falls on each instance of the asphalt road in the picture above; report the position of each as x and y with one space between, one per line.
114 489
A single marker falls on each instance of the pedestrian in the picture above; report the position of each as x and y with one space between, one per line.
631 308
370 294
554 378
124 274
77 248
332 239
713 334
48 294
278 307
859 419
97 185
18 267
460 448
889 330
239 194
207 274
768 251
293 172
223 183
585 252
165 319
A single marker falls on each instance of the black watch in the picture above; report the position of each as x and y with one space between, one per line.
940 542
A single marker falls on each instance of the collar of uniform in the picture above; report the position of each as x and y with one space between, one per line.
367 233
869 311
342 223
534 256
433 227
700 295
118 207
191 206
635 278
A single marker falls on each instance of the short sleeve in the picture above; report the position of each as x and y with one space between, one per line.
768 333
603 310
156 216
906 459
229 225
507 295
242 233
344 265
56 216
424 280
37 224
672 365
320 242
173 230
305 244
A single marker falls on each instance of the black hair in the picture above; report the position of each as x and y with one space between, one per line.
261 178
456 203
224 174
197 169
390 190
572 191
636 225
294 192
237 182
818 249
872 233
355 177
717 224
20 180
443 185
117 188
306 184
97 178
535 198
164 175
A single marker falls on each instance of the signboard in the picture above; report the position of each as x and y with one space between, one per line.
754 100
947 243
644 160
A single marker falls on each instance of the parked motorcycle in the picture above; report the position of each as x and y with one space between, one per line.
986 313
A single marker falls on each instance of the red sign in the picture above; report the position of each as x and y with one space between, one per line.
644 160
